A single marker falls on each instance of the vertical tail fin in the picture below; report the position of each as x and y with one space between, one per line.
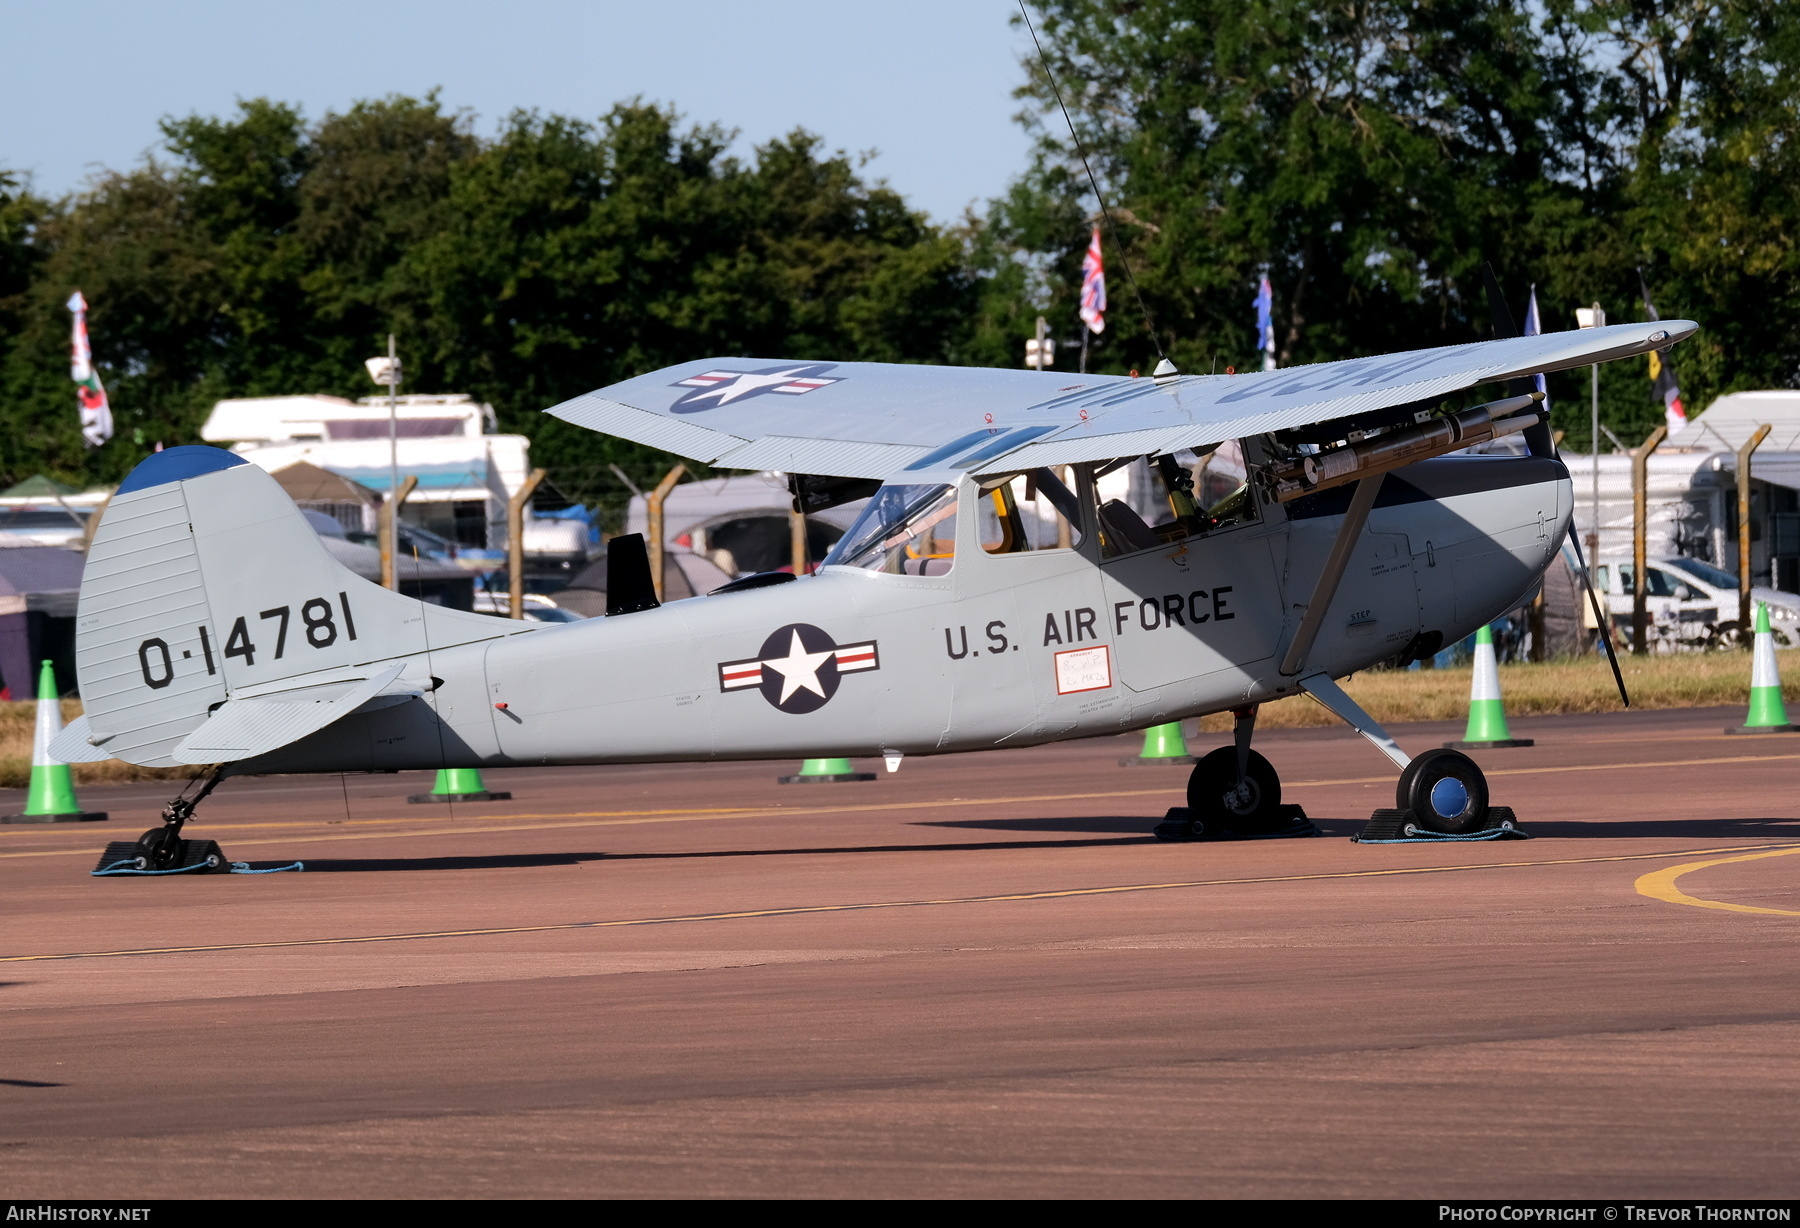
205 582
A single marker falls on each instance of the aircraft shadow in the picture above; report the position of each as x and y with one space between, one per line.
525 861
28 1083
497 861
1111 830
1563 829
1124 825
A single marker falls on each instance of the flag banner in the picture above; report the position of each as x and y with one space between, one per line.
1664 386
96 414
1093 286
1533 327
1265 322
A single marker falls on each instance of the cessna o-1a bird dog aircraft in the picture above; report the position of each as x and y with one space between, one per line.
215 629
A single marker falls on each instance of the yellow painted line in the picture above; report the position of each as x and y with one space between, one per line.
1636 765
869 906
1661 884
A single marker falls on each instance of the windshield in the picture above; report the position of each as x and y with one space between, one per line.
905 530
1656 581
1706 572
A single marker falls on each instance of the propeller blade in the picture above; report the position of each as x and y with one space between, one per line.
1600 619
1498 313
1537 438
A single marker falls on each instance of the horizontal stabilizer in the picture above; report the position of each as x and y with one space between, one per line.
72 745
255 725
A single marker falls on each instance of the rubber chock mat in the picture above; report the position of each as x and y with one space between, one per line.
1399 827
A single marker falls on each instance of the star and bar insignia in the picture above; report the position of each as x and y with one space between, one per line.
799 668
712 389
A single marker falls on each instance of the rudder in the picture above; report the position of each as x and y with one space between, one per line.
205 582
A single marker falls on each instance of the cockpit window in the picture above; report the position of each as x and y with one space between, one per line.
904 531
1718 577
1164 502
1656 581
1028 511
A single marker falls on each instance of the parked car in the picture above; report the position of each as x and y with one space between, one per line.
1689 604
538 608
41 525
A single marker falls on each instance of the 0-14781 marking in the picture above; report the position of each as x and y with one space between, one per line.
317 615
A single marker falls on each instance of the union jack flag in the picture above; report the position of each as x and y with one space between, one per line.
1093 286
96 413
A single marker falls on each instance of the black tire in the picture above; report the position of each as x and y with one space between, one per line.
1403 786
1444 791
1213 797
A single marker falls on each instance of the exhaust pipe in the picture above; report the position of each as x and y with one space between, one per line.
1353 462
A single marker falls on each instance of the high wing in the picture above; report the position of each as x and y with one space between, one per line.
875 420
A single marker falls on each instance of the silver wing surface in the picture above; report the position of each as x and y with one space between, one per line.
876 420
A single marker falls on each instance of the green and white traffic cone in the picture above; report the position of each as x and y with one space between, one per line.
1487 715
824 772
51 798
1163 745
1767 713
460 785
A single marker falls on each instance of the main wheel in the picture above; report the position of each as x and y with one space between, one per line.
1445 791
1217 799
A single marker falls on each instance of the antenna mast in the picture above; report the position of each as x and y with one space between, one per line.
1111 230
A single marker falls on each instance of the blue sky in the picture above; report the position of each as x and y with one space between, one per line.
927 83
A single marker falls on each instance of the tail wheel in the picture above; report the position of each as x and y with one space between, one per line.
1445 791
1217 798
156 850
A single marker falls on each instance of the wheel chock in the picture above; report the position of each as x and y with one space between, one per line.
194 856
1401 827
1179 826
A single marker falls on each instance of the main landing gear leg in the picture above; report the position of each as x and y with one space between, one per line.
1441 795
1234 793
161 849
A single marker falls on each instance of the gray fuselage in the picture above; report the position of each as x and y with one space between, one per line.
1000 651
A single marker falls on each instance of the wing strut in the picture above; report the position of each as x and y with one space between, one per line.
1328 693
1332 573
1600 619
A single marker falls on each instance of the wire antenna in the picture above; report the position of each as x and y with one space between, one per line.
1081 152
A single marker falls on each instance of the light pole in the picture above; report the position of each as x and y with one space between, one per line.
387 371
1594 317
1040 351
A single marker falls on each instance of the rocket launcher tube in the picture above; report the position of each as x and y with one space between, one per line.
1350 463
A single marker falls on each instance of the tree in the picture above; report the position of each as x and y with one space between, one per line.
269 256
1371 155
